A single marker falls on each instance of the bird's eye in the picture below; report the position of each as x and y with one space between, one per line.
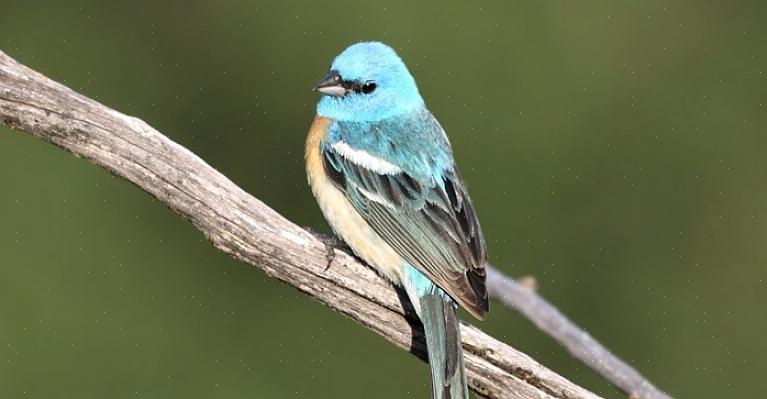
368 87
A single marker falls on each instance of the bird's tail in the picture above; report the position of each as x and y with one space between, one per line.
443 335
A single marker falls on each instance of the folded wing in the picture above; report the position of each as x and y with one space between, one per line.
431 223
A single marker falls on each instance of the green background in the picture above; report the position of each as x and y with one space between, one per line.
614 150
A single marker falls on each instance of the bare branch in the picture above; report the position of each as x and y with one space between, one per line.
577 341
242 226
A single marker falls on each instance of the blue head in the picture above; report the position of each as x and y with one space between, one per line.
367 82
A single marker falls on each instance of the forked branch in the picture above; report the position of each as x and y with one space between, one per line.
242 226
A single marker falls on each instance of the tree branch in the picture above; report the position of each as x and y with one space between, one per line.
577 341
242 226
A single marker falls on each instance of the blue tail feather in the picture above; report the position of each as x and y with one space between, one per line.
443 335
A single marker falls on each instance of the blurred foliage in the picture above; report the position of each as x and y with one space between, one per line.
614 150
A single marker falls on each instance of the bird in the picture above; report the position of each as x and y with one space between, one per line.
383 173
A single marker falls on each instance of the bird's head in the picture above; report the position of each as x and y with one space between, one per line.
367 82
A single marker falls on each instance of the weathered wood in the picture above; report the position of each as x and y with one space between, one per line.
577 341
242 226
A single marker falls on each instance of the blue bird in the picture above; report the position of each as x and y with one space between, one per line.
382 171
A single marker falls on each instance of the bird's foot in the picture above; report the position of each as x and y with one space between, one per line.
331 243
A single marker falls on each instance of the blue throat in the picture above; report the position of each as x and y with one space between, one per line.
368 108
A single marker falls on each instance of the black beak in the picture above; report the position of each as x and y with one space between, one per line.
331 85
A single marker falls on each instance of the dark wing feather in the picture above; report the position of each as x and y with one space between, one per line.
432 225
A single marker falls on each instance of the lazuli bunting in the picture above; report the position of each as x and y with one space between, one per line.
382 171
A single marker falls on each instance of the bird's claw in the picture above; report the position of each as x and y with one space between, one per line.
331 243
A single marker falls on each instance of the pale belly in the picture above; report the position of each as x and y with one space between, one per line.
342 216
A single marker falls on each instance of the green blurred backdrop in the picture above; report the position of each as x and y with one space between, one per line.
614 150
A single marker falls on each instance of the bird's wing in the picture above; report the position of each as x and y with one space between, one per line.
431 222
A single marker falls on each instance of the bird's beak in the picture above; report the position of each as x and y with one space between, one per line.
331 85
